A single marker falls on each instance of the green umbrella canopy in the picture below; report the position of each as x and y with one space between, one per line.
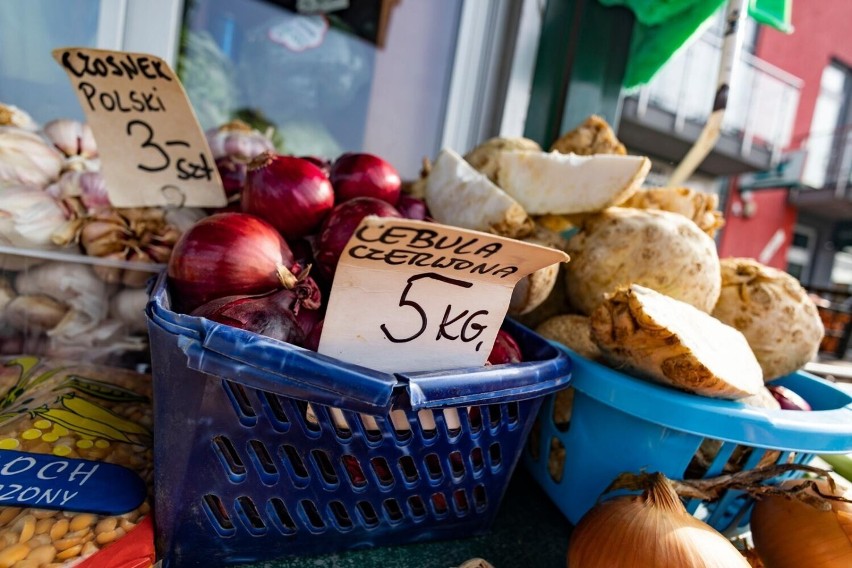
664 26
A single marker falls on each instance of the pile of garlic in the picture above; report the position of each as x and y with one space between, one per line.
53 198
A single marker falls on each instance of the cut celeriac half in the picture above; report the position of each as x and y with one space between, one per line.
459 195
657 337
560 184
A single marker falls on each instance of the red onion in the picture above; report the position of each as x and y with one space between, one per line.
319 162
312 341
364 175
291 193
341 224
233 174
788 399
274 315
505 350
412 207
228 254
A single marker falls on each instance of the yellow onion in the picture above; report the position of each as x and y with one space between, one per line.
790 533
651 529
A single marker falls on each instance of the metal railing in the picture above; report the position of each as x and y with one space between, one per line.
828 164
761 105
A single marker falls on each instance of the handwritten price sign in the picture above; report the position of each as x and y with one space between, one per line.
417 296
153 151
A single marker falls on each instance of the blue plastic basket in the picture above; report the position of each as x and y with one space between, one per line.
242 475
622 424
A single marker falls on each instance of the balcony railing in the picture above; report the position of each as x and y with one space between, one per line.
761 105
828 164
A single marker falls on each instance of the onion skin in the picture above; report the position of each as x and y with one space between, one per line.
651 529
286 315
790 534
788 399
340 226
365 175
412 208
292 194
227 254
505 350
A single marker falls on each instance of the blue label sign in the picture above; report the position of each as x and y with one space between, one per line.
44 481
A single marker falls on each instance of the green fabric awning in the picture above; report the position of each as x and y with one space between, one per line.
664 26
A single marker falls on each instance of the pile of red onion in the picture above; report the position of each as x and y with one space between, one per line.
268 266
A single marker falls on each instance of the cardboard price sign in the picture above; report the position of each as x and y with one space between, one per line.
416 296
153 151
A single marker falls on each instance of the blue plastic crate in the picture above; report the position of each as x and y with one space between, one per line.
619 423
242 474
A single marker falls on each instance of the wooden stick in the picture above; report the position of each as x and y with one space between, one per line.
731 43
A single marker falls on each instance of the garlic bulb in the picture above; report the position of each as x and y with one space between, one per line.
71 137
136 235
72 284
13 116
34 313
237 140
26 159
651 529
29 217
128 306
87 186
7 294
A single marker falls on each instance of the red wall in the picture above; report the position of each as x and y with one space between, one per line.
749 236
821 33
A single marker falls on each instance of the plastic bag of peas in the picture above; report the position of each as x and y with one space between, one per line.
71 410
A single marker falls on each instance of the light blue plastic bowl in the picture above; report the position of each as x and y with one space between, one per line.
623 424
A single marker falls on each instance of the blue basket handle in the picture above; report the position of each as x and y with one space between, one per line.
490 385
284 369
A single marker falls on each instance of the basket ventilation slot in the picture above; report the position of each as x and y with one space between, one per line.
480 498
278 512
494 416
325 467
382 471
275 411
392 510
495 454
433 467
439 504
353 469
264 460
368 514
298 468
457 465
408 469
474 415
341 515
556 459
477 459
312 515
513 413
460 502
308 416
234 466
218 515
239 399
416 507
563 405
248 512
